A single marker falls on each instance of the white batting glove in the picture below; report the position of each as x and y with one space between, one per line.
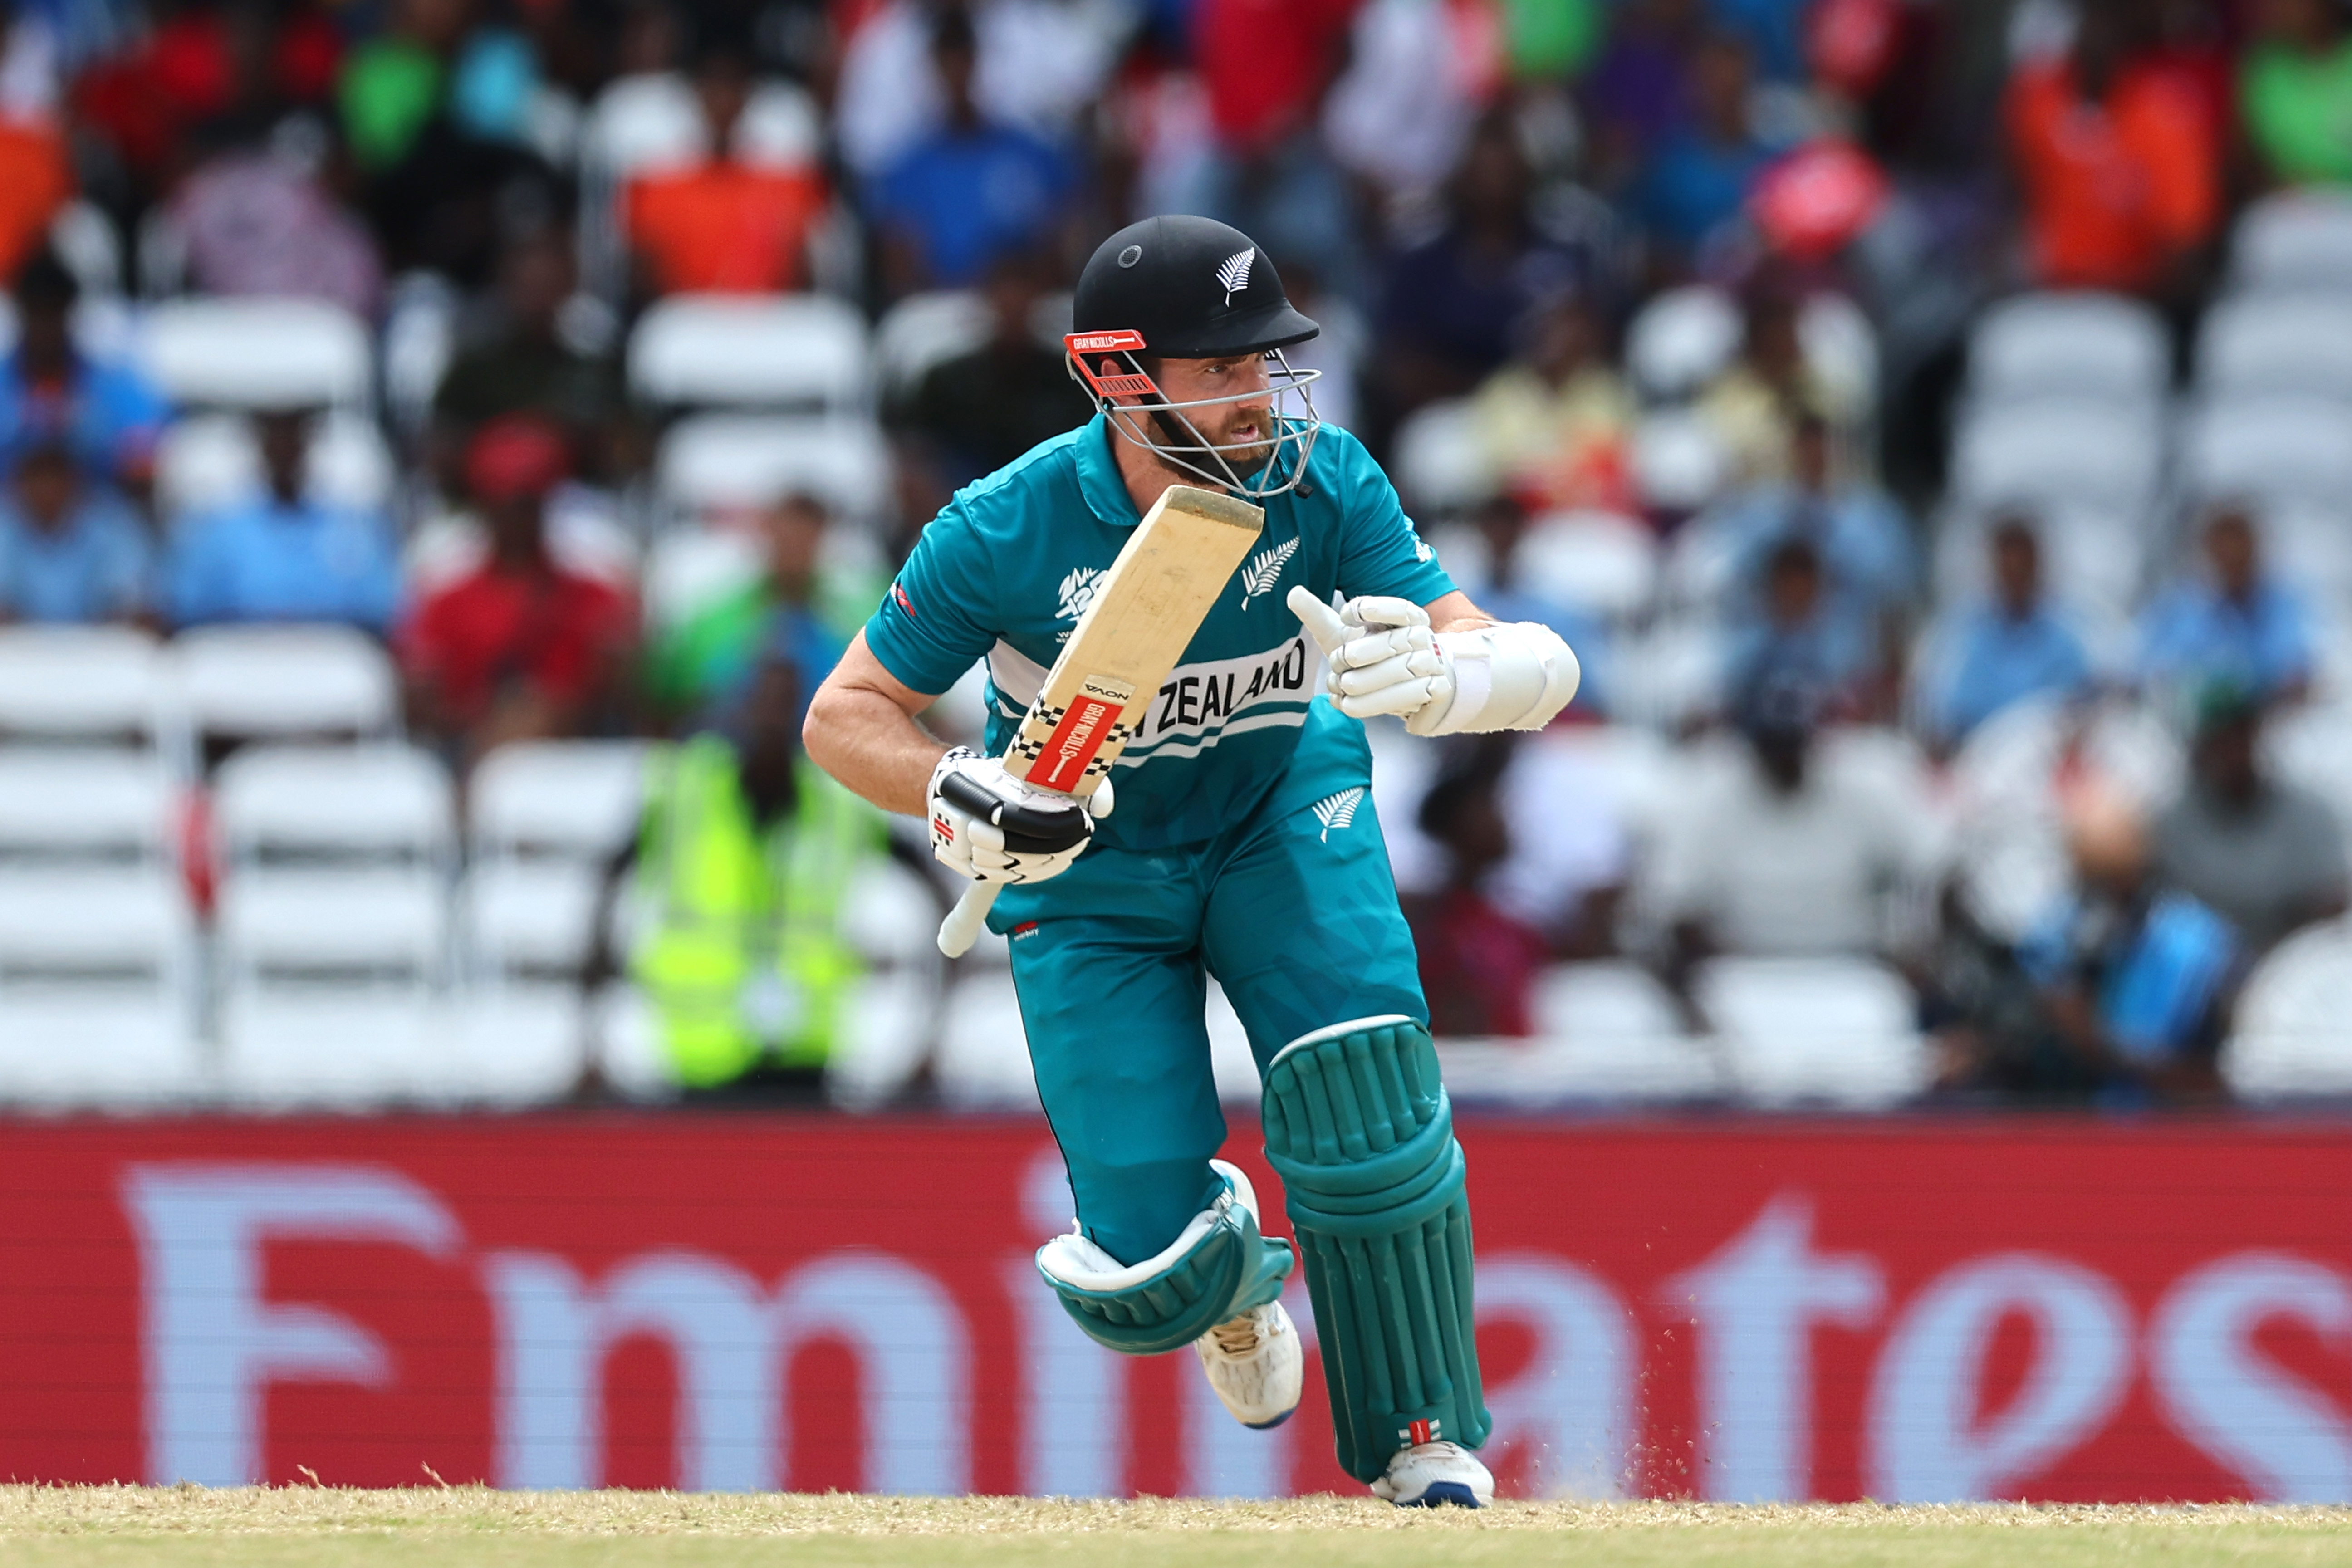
1383 658
992 827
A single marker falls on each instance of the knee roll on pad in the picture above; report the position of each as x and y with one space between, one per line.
1359 1126
1218 1268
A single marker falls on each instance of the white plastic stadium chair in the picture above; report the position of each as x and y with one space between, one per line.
982 1061
2262 345
762 351
2291 1039
1678 460
2295 240
2312 746
923 331
577 799
1441 464
2271 449
380 802
1834 1032
2099 455
2069 345
1610 1033
723 462
259 352
1597 561
284 681
80 683
97 971
529 920
86 803
1681 340
507 1045
328 980
211 460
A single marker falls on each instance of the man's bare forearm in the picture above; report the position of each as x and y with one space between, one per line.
861 729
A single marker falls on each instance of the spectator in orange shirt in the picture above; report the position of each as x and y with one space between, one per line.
35 182
2118 161
519 648
723 225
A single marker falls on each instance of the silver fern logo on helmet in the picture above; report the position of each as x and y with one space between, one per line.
1234 276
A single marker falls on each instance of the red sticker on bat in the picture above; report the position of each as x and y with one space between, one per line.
1074 742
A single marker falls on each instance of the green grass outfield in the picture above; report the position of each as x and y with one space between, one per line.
68 1527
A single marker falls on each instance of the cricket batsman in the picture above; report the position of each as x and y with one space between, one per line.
1243 846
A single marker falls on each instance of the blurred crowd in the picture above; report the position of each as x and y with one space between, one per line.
1661 311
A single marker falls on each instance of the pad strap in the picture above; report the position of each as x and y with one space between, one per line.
1515 675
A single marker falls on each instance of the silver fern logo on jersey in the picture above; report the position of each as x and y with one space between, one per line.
1265 570
1234 276
1336 811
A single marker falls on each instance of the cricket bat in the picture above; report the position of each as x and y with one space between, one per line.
1129 638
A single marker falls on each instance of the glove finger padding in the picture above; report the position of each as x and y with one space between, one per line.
1375 647
1380 611
1410 697
1404 667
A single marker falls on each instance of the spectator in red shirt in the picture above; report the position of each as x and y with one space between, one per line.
2118 158
519 648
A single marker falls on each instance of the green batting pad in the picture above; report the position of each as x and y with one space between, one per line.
1359 1126
1226 1271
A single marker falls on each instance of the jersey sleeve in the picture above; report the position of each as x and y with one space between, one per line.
1380 552
928 628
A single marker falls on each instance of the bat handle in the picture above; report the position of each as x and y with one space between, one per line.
963 926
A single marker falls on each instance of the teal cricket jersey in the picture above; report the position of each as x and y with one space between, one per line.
1005 571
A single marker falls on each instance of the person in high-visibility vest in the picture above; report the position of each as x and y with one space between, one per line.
745 854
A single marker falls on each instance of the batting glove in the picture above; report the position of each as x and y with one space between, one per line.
992 827
1383 658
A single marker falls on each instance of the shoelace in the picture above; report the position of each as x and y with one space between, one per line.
1236 1336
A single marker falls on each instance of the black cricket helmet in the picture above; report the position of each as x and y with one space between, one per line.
1178 287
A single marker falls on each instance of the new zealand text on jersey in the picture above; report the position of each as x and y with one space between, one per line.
1204 701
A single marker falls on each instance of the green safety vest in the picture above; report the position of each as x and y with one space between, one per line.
743 958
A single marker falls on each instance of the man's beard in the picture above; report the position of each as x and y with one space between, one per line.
1243 460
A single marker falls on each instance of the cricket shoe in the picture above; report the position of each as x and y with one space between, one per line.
1436 1475
1255 1365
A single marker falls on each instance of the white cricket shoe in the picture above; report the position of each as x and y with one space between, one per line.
1435 1474
1255 1365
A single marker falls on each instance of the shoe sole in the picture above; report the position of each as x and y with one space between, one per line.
1270 1425
1445 1494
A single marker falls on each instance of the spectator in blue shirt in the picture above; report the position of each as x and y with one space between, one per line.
107 414
1863 536
2135 983
2236 625
1699 174
972 191
69 550
1802 640
283 556
1982 658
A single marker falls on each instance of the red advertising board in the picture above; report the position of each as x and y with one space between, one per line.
2047 1308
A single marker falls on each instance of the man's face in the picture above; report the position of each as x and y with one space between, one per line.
2016 571
794 529
2230 546
285 441
45 333
47 486
1242 428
